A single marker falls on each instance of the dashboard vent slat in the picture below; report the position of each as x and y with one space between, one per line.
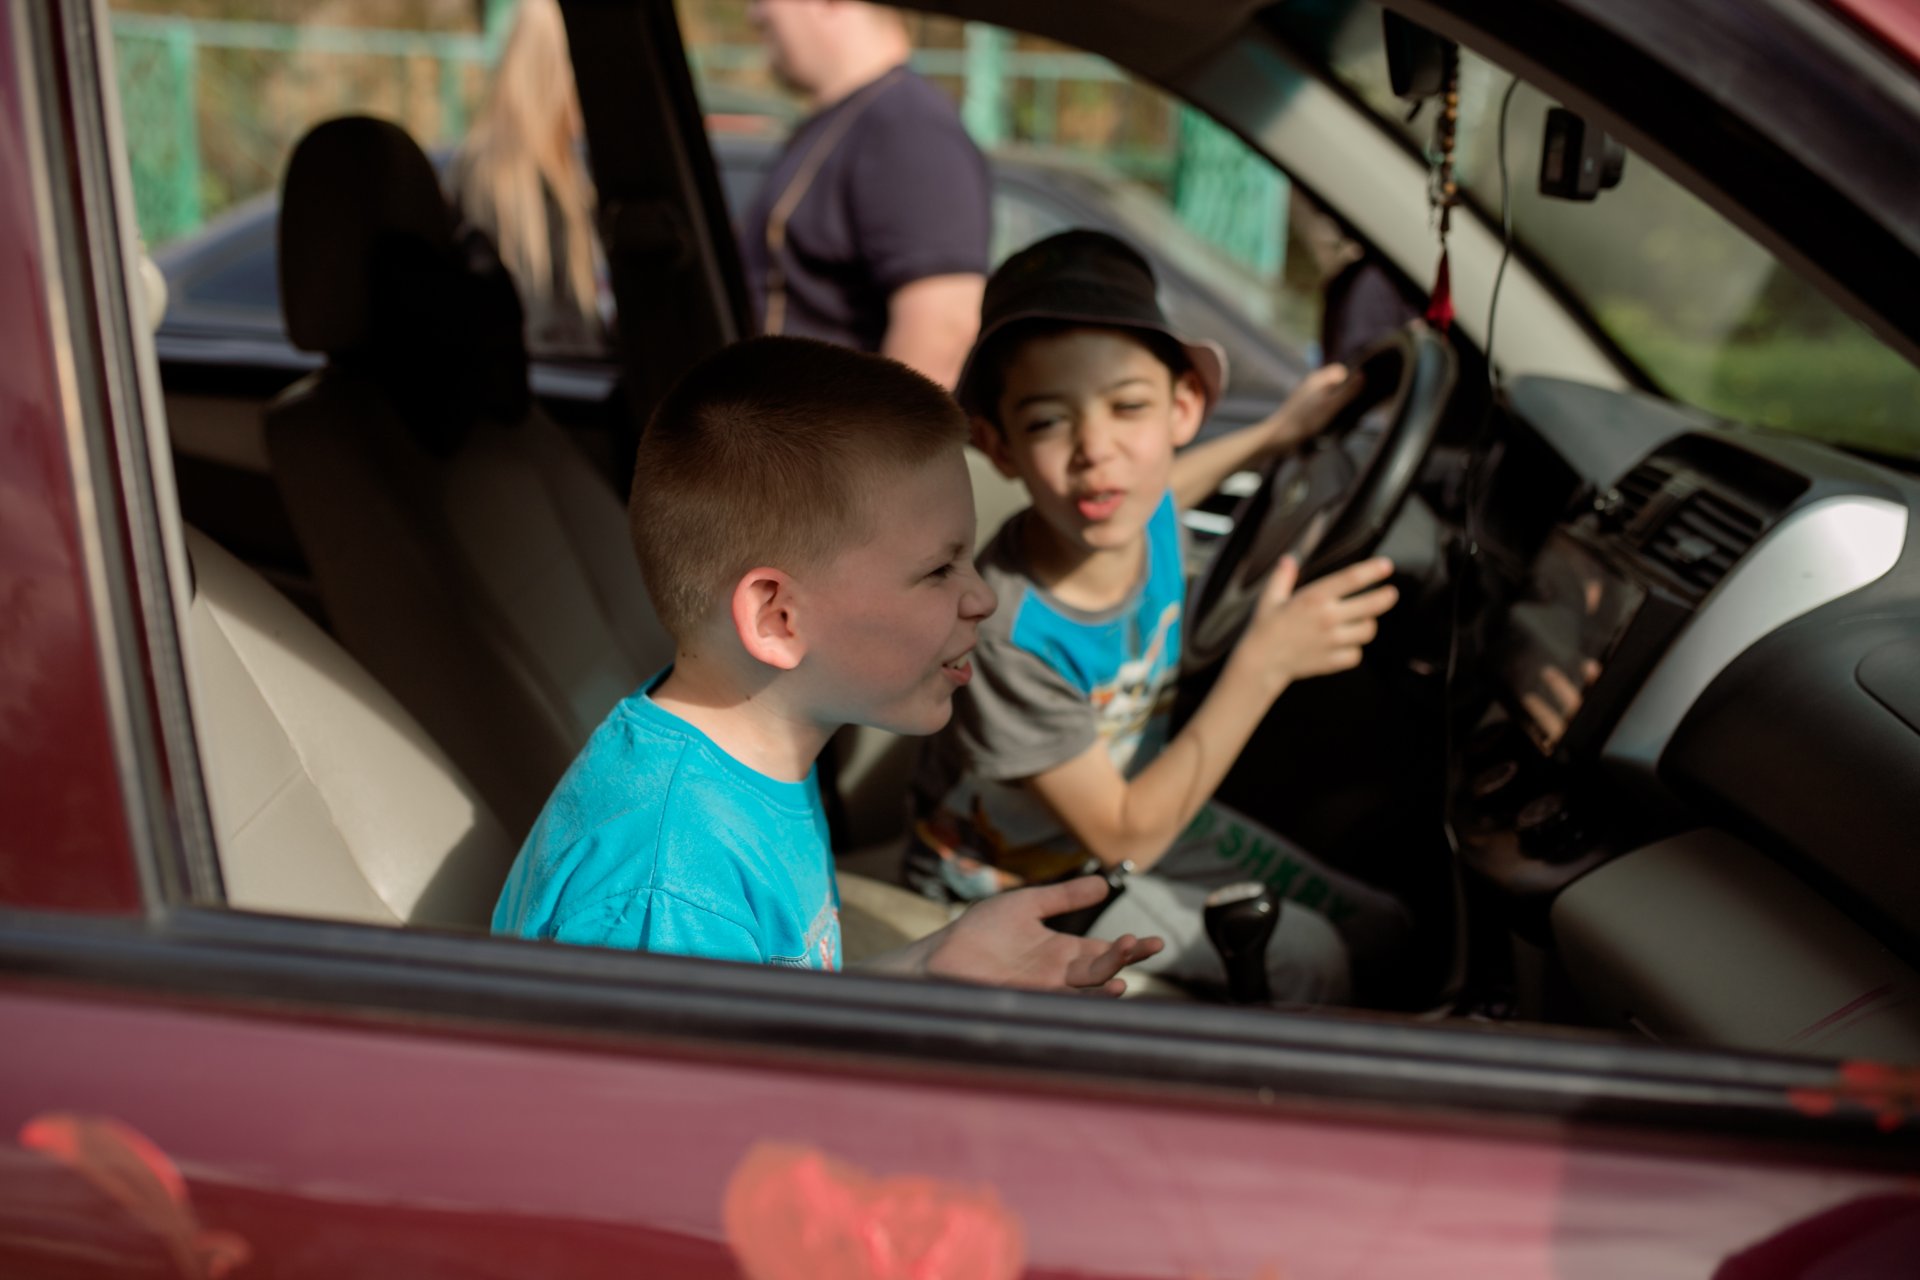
1700 540
1638 489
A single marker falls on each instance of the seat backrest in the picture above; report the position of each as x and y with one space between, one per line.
463 549
327 798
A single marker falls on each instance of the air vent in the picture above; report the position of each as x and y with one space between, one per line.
1695 535
1638 489
1687 514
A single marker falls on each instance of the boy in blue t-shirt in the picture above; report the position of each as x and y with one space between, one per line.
804 523
1059 751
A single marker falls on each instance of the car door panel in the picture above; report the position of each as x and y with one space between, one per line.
55 736
333 1145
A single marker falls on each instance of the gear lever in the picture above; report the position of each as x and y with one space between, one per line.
1240 921
1078 922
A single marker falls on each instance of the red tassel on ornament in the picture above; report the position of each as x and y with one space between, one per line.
1440 309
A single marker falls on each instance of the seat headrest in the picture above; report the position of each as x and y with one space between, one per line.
358 193
375 275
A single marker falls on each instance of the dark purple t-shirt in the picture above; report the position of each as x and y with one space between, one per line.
903 195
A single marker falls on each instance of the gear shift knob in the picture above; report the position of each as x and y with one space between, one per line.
1240 921
1078 922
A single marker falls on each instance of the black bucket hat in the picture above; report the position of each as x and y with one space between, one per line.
1086 277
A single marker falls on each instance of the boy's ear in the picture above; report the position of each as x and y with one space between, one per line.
992 441
762 609
1189 408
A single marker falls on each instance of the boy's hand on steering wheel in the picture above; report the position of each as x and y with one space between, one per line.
1005 942
1318 629
1315 402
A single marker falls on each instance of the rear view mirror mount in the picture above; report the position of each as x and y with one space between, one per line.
1417 59
1577 161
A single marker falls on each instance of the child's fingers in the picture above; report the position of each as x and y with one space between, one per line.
1355 577
1326 379
1280 586
1359 631
1349 387
1124 950
1096 967
1370 605
1067 895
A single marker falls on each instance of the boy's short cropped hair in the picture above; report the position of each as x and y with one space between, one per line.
765 454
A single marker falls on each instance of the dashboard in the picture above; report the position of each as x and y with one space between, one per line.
1697 774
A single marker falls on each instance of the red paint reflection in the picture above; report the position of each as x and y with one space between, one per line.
124 1165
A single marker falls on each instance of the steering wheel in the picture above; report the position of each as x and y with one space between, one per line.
1330 502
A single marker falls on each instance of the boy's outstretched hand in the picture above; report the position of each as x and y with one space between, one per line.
1004 942
1315 402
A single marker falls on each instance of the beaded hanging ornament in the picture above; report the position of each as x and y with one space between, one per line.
1443 192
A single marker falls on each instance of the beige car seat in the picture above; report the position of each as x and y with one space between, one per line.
463 549
327 798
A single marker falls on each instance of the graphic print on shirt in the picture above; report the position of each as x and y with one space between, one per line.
1139 695
988 835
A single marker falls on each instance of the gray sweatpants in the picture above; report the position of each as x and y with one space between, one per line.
1329 920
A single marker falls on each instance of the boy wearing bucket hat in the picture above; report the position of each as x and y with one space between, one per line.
1060 752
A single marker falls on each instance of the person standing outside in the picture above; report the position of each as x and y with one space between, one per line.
872 229
521 177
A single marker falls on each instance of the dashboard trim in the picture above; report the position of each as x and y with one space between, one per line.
1815 555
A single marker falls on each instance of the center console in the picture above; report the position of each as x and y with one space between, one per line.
1606 588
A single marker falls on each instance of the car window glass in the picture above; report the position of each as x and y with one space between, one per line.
1022 216
215 98
1074 141
247 281
1712 317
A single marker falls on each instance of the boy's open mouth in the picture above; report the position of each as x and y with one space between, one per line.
960 669
1099 505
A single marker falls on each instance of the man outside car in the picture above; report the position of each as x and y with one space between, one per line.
872 229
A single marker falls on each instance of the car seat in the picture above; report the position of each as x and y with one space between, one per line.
462 548
327 798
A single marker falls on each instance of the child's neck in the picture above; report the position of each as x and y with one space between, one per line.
1085 579
746 720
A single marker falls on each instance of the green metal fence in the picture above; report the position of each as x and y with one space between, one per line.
213 107
159 74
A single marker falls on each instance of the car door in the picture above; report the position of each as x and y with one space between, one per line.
191 1090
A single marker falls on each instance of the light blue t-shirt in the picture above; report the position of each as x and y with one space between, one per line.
657 840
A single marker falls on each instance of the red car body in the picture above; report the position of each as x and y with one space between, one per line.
187 1093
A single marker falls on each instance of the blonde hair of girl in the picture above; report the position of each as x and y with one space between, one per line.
523 148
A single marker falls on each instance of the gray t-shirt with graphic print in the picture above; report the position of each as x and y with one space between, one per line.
1049 681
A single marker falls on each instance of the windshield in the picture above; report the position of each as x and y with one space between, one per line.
1710 316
